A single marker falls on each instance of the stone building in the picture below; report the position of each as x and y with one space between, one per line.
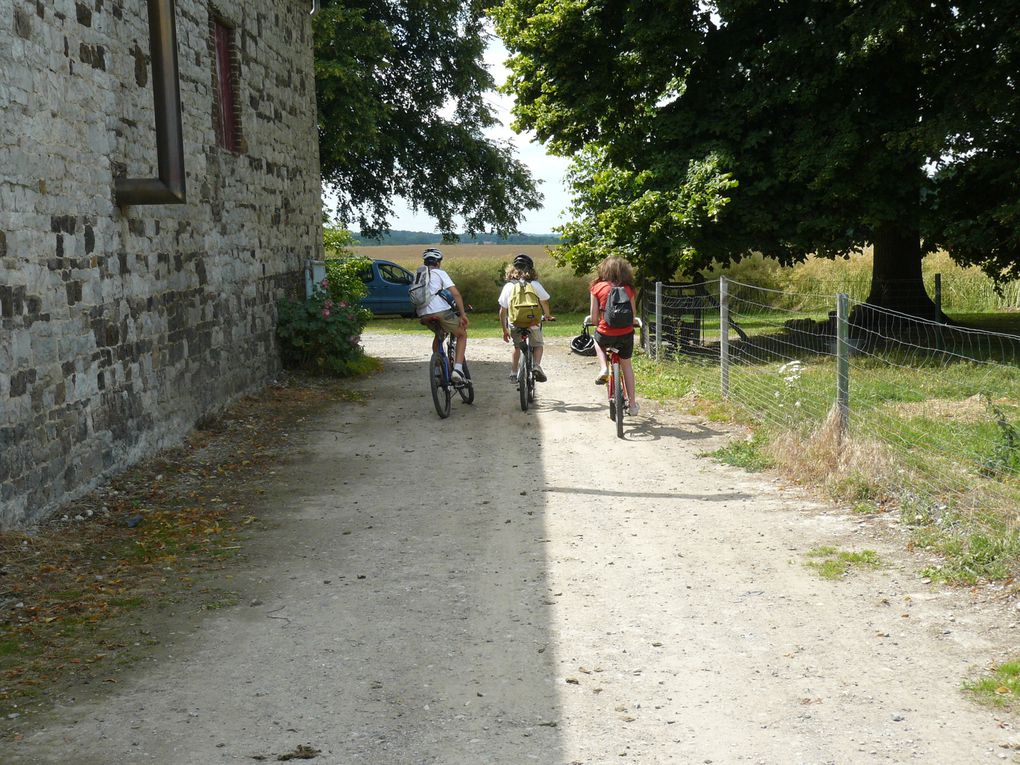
144 240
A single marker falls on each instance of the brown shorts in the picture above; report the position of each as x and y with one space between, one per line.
536 336
448 320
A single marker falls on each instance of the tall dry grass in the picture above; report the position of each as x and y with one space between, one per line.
963 289
478 268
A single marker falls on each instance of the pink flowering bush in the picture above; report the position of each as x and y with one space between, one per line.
323 333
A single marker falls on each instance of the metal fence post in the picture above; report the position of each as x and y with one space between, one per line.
724 336
658 320
843 361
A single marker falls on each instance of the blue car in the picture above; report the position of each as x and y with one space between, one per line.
387 289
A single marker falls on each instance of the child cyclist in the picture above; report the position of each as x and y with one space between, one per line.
613 272
453 318
523 269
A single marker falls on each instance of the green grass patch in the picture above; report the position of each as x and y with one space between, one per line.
10 648
746 453
220 600
128 603
480 325
970 557
67 596
832 563
1001 688
865 508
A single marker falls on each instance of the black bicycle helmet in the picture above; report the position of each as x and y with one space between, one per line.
432 255
523 261
583 344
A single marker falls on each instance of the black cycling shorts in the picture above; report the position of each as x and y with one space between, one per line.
625 343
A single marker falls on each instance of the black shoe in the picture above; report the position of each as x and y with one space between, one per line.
539 374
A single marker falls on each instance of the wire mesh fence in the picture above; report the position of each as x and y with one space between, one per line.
880 406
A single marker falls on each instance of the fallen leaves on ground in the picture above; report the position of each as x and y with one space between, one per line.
73 590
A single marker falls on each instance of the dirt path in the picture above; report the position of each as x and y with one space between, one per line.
507 588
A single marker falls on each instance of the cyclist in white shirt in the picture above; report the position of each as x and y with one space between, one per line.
446 307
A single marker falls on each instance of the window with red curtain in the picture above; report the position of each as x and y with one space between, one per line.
228 132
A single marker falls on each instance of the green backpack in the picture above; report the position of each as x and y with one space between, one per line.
524 308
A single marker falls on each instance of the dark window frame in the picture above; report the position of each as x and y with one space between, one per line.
226 91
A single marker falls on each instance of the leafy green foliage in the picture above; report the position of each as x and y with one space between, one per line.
401 98
344 282
618 211
396 238
337 240
1005 459
785 129
323 333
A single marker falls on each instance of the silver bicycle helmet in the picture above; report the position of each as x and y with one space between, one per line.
432 255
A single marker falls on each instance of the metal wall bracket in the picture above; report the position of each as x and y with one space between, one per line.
169 187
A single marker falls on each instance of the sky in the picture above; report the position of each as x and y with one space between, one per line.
547 169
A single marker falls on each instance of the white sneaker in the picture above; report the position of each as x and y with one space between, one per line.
539 374
457 376
634 407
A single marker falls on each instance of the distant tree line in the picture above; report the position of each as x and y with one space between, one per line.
421 237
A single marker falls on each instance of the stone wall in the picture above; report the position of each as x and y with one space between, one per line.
120 328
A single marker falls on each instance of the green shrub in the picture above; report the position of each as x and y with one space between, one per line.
323 333
343 278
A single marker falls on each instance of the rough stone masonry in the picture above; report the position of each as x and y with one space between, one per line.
120 328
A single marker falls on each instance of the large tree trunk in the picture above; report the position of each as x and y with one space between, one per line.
896 280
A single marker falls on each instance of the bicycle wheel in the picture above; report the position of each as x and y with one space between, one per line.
531 377
609 392
522 381
618 400
441 393
467 392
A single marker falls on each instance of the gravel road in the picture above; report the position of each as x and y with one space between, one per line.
508 588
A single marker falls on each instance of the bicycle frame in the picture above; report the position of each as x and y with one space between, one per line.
526 370
618 400
441 364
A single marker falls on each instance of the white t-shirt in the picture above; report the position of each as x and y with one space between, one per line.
508 288
438 280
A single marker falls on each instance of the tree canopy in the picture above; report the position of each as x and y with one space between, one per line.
786 128
401 98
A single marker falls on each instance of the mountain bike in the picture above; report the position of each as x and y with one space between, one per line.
618 404
441 382
526 368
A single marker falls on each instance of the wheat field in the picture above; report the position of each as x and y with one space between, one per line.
410 254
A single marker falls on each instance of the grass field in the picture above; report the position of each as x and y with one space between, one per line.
478 271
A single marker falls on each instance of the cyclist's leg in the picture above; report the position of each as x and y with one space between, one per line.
626 346
603 361
461 346
452 325
537 344
627 368
600 352
515 354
